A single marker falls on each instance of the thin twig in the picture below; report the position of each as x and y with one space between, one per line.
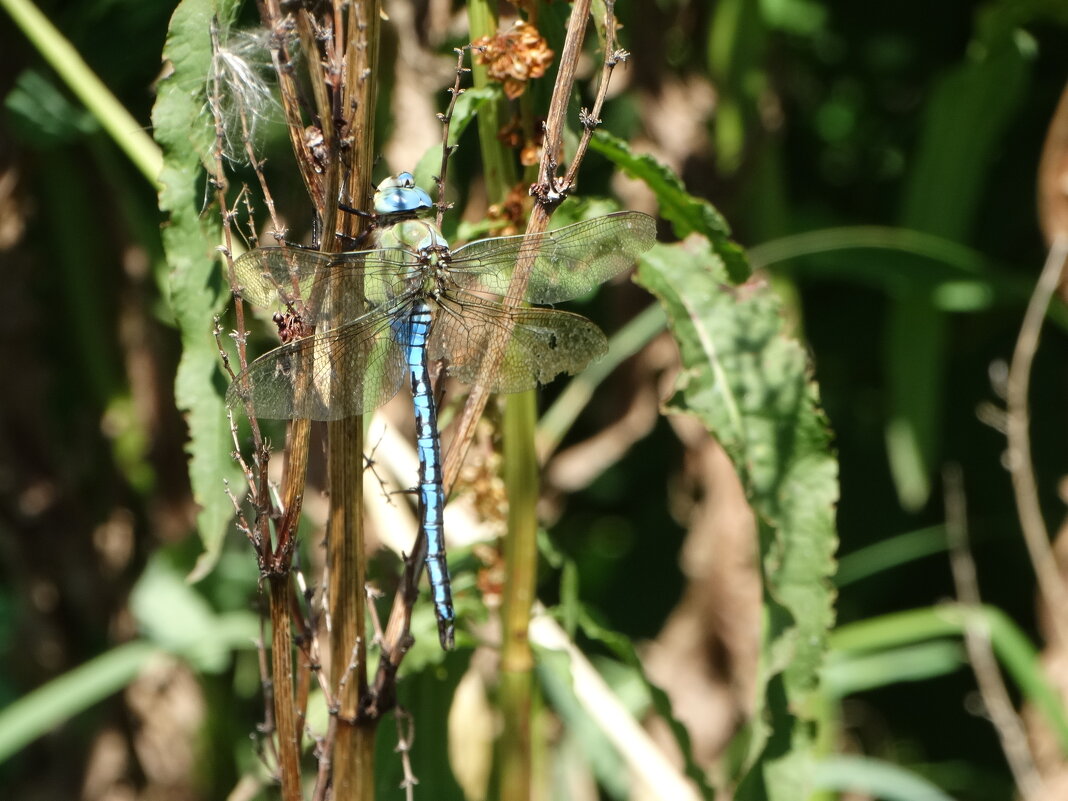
266 728
405 740
538 223
592 119
446 121
221 185
988 677
1021 468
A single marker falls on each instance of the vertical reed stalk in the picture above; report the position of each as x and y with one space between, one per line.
515 746
354 745
285 717
516 693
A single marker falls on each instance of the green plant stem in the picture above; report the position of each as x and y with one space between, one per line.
515 748
498 166
1013 649
520 549
113 117
516 692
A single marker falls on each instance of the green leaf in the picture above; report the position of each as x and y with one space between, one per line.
1013 649
170 612
688 214
198 291
967 116
39 712
174 619
875 778
582 732
42 116
427 696
749 384
845 674
890 553
113 117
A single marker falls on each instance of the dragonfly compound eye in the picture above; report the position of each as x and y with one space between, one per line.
400 195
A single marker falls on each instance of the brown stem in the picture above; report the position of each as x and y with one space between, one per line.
536 225
591 119
289 731
446 122
354 106
1018 419
988 677
280 25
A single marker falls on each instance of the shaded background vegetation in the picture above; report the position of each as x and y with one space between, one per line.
791 117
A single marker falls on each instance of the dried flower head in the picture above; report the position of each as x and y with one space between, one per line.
514 57
510 213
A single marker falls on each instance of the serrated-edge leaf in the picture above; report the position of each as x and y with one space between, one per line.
750 386
197 289
688 214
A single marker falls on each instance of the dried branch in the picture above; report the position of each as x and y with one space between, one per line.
1036 537
446 121
984 664
544 192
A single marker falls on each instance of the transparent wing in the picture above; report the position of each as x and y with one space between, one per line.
535 345
569 261
323 288
330 375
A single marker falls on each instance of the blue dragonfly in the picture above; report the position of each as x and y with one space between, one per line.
410 301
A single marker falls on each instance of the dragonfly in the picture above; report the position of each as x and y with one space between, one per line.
357 322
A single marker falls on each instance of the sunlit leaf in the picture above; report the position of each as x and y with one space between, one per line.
687 213
198 291
750 385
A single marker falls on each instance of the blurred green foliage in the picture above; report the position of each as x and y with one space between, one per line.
865 127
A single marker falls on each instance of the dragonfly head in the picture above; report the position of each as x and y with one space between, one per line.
399 195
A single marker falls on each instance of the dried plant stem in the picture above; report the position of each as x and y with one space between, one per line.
591 119
353 103
446 122
346 565
267 728
537 224
278 23
1036 537
289 731
274 559
992 687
